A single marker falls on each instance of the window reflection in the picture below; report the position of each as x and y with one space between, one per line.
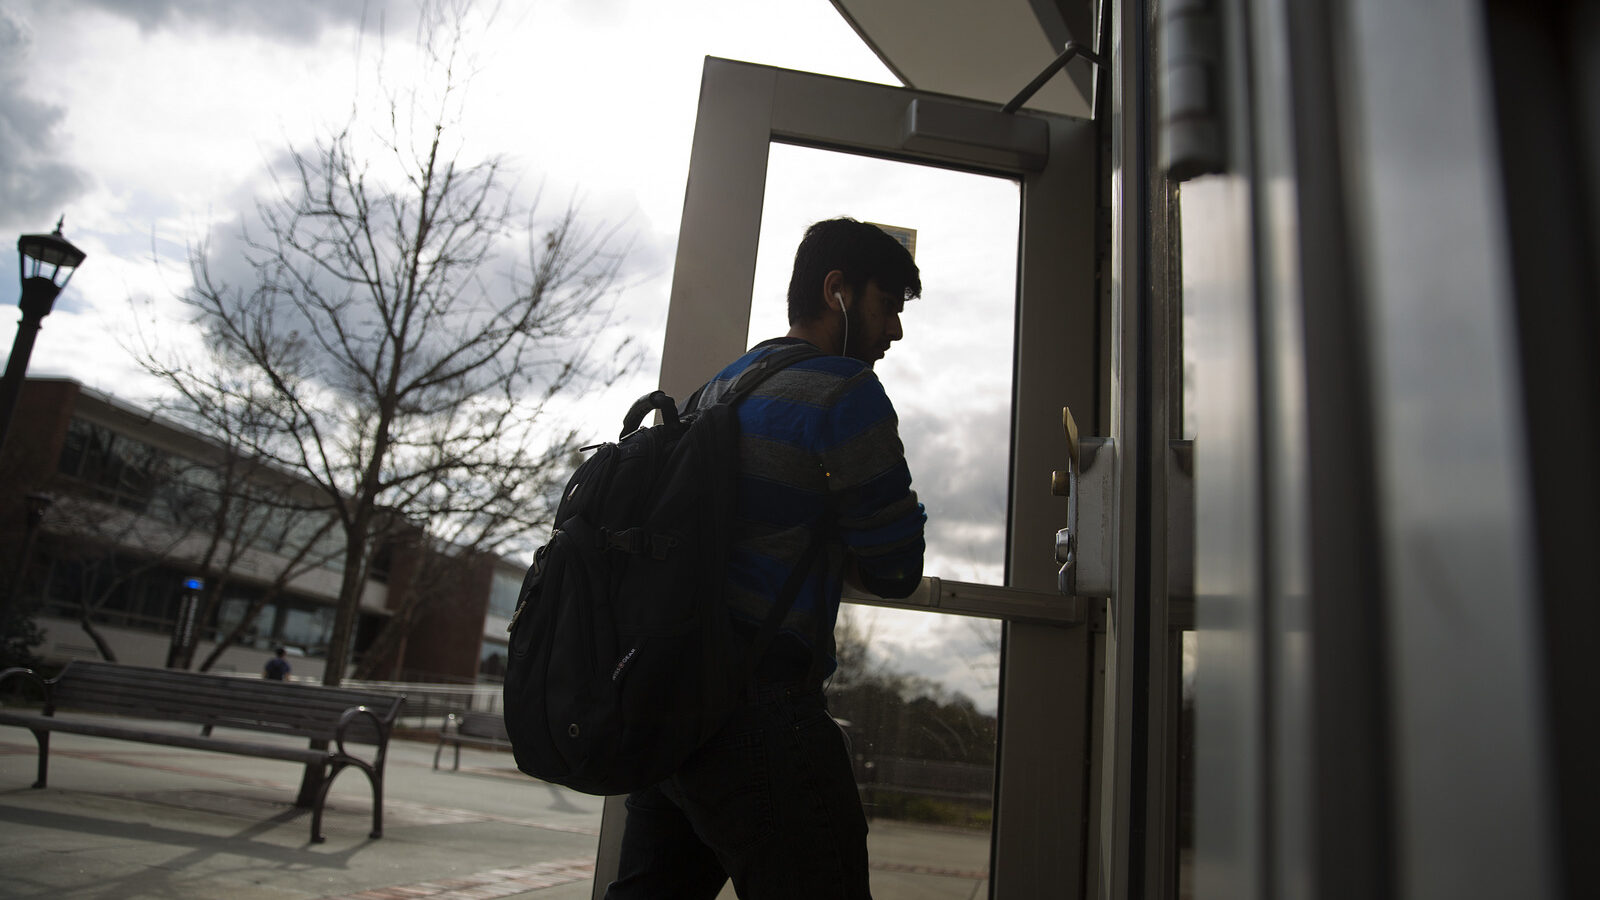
923 749
492 661
308 628
231 615
504 588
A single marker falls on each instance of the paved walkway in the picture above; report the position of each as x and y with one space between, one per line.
122 821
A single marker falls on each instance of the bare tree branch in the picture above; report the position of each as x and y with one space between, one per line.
403 325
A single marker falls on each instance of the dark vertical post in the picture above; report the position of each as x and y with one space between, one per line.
38 295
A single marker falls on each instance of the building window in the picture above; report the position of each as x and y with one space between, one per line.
116 468
231 612
124 591
503 590
114 590
492 661
305 626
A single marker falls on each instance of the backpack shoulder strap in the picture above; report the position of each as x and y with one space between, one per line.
764 368
815 551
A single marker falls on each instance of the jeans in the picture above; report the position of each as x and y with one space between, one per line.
770 802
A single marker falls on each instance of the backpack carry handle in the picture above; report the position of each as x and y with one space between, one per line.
655 400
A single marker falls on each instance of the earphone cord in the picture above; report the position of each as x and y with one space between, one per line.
846 313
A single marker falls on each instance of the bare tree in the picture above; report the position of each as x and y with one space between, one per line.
401 348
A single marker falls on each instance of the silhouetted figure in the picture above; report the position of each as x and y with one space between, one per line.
277 667
770 800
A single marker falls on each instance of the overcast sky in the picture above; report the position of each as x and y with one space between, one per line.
153 123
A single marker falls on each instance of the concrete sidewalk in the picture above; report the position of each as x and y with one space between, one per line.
122 820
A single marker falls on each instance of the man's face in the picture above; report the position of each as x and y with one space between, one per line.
874 323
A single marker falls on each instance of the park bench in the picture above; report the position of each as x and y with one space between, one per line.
336 716
474 728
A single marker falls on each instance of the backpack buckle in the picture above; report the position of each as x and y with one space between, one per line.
629 540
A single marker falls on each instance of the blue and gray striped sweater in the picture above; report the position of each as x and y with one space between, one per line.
820 435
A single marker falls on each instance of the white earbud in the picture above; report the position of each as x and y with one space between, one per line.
845 349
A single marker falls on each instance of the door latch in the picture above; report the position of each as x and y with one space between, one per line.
1084 547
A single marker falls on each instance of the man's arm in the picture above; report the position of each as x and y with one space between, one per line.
879 518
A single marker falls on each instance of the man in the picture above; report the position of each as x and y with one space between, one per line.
277 668
771 801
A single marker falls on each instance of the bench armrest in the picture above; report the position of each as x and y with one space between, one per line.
350 715
29 676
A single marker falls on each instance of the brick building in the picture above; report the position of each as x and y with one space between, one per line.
118 542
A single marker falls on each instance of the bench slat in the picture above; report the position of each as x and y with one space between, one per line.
119 731
89 678
482 725
290 708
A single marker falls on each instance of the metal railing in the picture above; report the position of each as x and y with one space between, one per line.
427 704
432 704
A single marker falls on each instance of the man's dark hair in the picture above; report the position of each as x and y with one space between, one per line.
861 251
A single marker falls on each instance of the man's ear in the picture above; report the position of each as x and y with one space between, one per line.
835 293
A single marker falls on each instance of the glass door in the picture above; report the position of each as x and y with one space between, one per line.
969 704
918 691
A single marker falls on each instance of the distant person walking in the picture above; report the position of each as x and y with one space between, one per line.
277 667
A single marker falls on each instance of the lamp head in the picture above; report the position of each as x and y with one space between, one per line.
46 262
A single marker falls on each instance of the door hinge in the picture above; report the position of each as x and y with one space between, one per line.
1193 137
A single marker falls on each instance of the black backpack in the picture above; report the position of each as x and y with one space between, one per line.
623 656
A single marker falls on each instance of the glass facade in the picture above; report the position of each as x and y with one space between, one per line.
232 612
98 580
119 590
305 626
112 589
127 571
114 468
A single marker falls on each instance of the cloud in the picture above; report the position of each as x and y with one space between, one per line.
300 21
962 482
33 181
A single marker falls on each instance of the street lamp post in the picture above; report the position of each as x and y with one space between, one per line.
37 505
46 262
